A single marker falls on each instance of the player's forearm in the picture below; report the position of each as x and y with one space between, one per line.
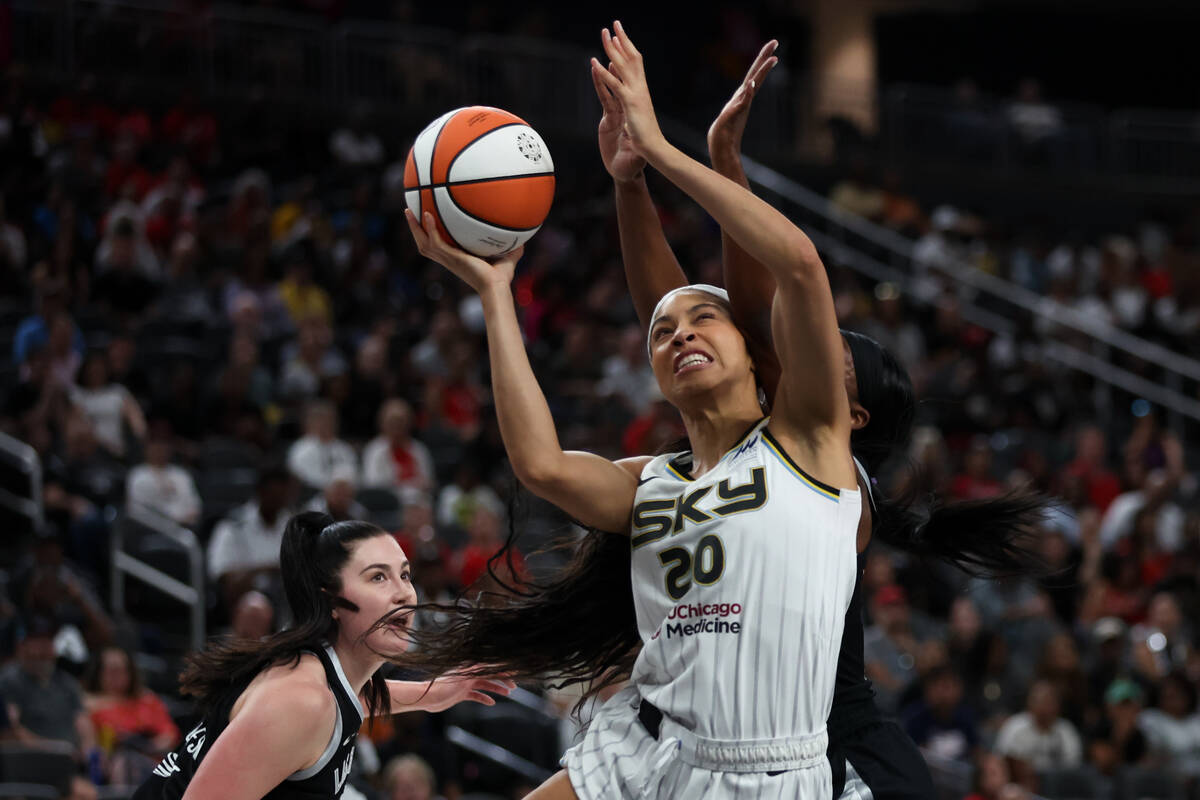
651 269
765 234
750 285
526 425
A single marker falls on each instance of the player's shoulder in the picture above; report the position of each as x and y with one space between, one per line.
635 464
302 686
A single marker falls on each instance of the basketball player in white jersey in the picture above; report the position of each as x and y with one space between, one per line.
743 547
871 757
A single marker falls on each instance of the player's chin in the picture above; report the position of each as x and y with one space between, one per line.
390 640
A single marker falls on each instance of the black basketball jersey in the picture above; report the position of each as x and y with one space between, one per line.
324 780
853 696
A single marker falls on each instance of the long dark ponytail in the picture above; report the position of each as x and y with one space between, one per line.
314 549
578 626
992 537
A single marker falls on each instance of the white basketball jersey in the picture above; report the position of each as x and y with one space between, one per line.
741 580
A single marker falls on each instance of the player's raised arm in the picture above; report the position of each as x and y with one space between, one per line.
811 403
750 285
592 489
651 269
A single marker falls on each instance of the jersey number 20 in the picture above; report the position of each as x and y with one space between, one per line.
704 566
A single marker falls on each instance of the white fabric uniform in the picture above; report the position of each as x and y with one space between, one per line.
741 582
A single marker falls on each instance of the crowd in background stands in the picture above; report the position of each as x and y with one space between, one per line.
224 345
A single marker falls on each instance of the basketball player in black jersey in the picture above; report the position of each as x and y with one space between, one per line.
870 756
281 716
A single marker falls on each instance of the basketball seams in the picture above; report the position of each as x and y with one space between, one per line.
488 222
442 220
470 181
466 145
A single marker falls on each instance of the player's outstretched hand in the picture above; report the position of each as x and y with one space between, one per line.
616 148
450 690
726 131
625 78
477 273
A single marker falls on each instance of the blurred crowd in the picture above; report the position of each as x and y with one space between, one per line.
208 342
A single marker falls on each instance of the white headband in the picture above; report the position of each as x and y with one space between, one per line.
707 288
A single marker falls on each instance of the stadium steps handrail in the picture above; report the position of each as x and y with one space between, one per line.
124 564
24 459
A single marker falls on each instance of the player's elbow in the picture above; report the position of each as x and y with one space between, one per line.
539 475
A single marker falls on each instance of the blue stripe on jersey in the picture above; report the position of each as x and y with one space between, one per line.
792 468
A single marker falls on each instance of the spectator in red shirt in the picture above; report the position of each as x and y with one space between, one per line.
1100 485
975 482
132 723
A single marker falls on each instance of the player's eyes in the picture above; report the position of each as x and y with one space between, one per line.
378 576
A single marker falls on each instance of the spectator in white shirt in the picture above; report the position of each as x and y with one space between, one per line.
316 456
109 406
243 553
395 460
161 486
1154 495
1039 737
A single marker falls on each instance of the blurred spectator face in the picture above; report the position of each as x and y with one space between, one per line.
879 571
943 693
35 654
1164 613
183 255
273 496
116 673
339 495
445 327
120 354
1176 696
891 609
94 372
395 420
1043 704
1061 655
313 338
62 332
243 352
158 451
993 775
1055 547
1091 446
978 462
965 622
418 520
254 616
408 780
372 357
1013 791
485 528
321 422
633 346
245 313
1157 487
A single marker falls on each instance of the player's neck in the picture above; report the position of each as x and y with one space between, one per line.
713 434
358 664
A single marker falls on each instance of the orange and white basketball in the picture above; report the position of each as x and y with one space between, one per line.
485 175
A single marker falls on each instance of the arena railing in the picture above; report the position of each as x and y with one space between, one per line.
1090 346
140 522
494 752
23 464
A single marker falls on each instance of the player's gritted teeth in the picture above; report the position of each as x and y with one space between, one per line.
691 360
